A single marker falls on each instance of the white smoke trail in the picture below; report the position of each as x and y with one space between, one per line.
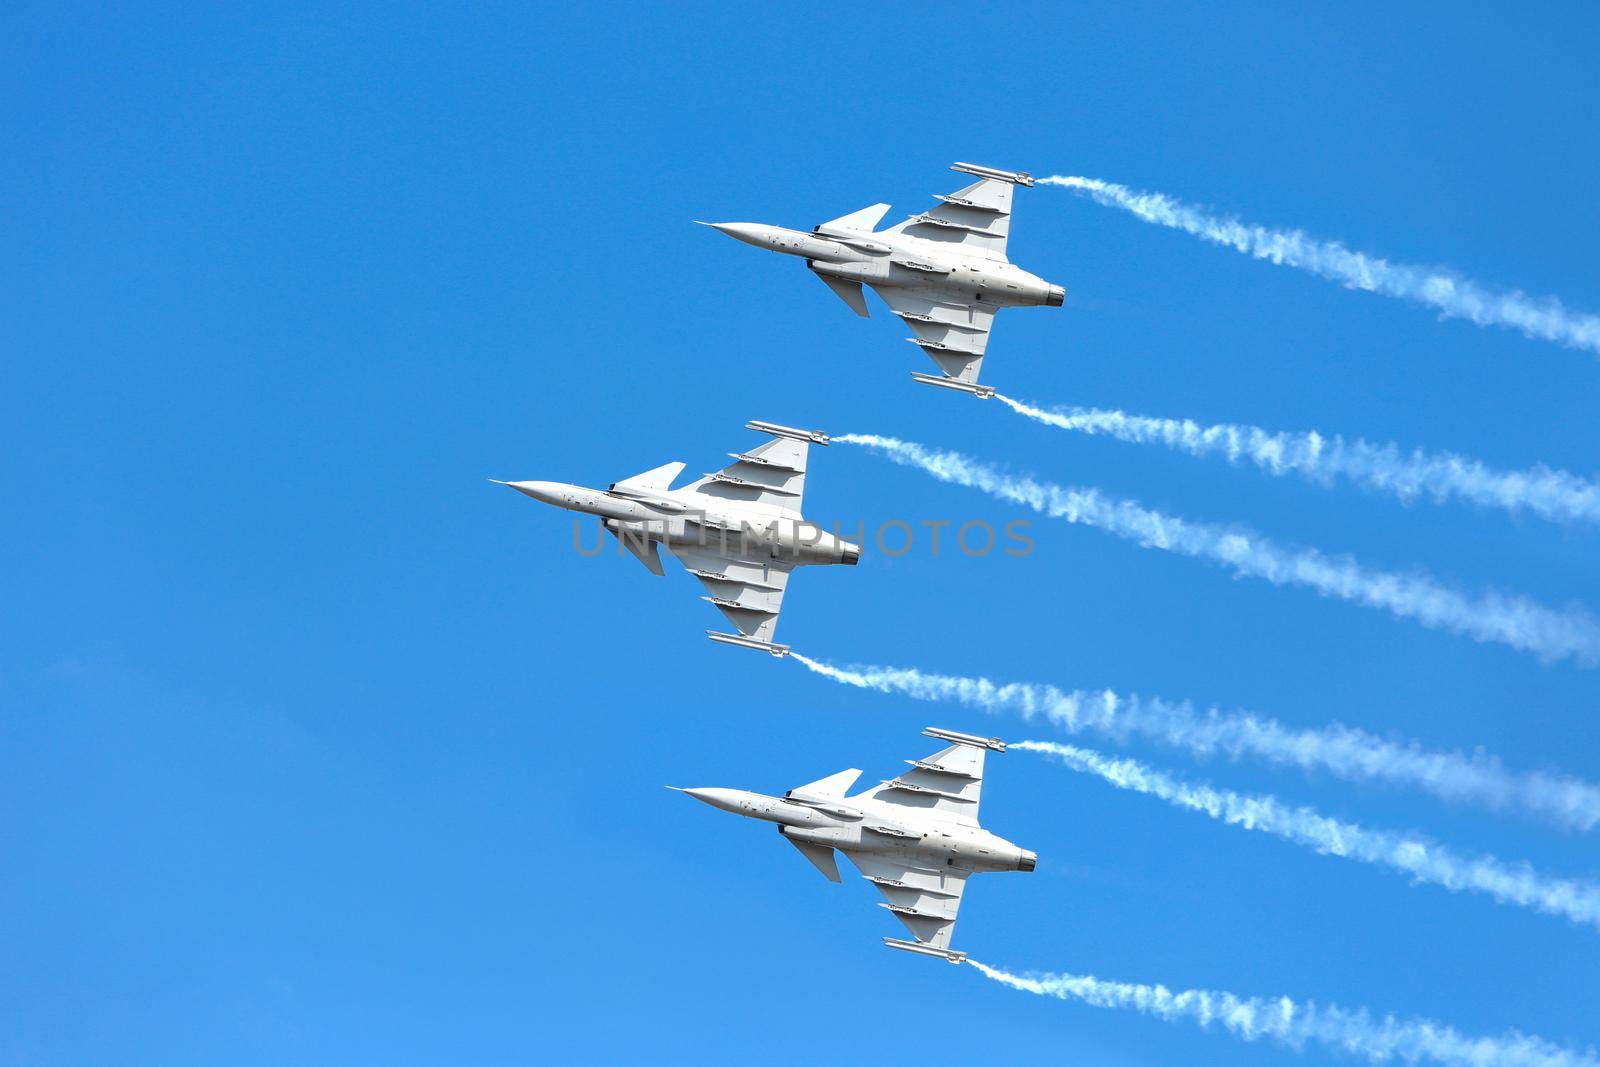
1453 296
1514 621
1550 494
1343 751
1420 858
1295 1024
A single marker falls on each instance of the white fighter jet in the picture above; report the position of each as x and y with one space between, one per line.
739 530
944 272
915 837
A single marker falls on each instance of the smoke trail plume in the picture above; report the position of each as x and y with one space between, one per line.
1420 858
1514 621
1453 296
1550 494
1296 1024
1343 751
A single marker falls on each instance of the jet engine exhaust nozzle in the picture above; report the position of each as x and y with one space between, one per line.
1028 862
1056 297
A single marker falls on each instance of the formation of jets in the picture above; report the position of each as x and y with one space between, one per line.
741 532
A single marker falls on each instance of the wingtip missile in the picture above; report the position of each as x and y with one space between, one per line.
948 955
1016 177
816 437
994 744
982 392
779 651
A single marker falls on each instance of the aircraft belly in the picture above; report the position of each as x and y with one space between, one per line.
942 288
723 541
727 537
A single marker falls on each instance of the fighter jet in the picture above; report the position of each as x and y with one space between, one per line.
944 271
915 837
739 530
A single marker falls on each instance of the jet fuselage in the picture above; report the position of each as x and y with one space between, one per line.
895 259
674 518
861 824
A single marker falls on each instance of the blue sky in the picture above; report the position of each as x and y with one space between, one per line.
320 749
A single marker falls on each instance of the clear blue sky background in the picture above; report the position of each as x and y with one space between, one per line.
319 749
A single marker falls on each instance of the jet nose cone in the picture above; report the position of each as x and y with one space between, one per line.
751 233
544 491
717 798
